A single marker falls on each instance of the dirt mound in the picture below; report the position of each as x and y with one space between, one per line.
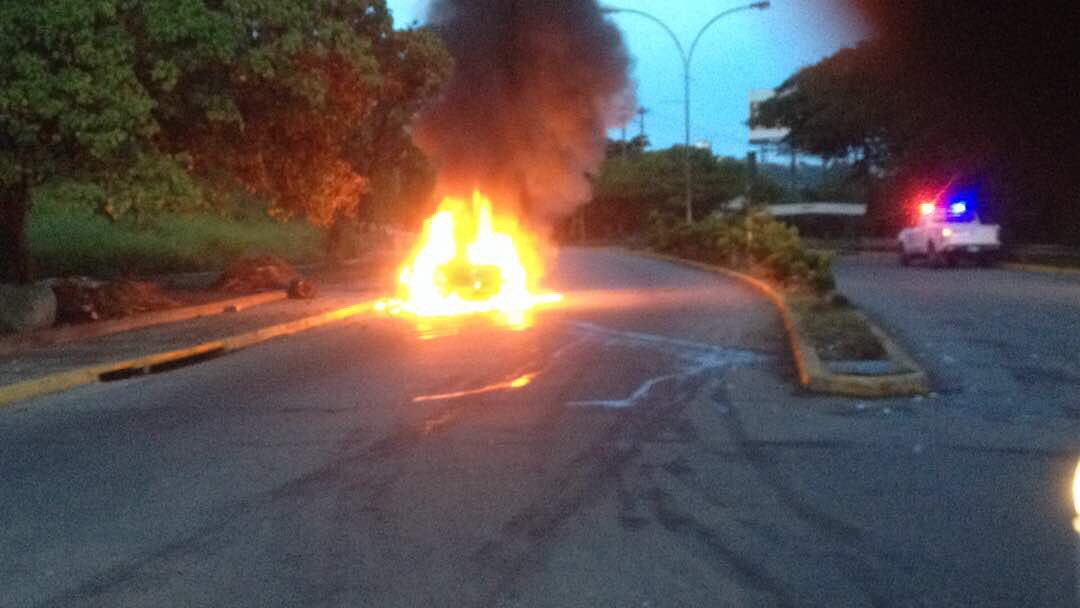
82 300
260 273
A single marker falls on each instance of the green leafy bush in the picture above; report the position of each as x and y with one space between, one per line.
752 242
74 239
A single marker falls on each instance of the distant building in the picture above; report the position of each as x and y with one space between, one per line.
820 219
819 208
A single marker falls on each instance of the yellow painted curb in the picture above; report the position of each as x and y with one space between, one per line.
1043 268
814 375
63 335
63 381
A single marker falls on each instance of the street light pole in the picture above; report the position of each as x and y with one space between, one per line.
687 58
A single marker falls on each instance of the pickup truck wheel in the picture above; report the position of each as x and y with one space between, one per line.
905 259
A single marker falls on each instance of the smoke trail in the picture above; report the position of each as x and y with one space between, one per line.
537 83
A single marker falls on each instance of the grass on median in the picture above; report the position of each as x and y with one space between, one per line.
836 331
71 240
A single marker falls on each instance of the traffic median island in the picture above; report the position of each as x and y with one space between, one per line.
836 348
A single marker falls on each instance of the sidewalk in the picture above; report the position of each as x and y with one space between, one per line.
37 362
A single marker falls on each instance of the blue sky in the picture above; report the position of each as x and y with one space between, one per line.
744 51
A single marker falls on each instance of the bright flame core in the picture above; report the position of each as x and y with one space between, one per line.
470 262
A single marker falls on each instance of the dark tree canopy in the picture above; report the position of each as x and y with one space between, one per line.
956 94
843 107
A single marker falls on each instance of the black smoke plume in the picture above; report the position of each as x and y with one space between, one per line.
536 85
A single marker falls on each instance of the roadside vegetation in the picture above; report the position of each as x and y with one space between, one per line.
638 201
74 240
835 329
754 243
139 120
941 129
751 242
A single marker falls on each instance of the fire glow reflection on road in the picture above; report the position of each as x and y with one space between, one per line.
519 382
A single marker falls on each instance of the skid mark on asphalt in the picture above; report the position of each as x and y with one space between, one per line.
691 358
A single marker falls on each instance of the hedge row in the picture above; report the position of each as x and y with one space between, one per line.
751 242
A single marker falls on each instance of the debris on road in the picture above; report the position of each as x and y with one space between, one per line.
84 300
264 272
302 289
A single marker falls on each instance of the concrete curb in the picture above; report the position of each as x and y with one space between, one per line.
160 362
72 333
1042 268
814 374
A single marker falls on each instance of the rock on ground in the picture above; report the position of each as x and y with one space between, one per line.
25 308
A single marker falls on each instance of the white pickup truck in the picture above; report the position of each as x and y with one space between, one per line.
944 235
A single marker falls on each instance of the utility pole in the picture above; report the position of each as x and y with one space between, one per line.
641 112
687 57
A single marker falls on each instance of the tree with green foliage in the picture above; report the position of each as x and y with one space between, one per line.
145 101
622 148
853 107
309 104
415 66
656 179
631 188
845 107
70 101
871 108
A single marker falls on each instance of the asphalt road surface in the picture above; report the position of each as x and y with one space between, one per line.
642 446
1003 344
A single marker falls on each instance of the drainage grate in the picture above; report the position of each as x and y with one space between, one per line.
121 374
175 364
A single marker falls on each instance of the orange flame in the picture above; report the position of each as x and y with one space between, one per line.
470 262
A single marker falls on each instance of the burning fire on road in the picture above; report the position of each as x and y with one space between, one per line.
514 136
469 261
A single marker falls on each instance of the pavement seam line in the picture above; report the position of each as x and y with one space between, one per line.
813 374
63 381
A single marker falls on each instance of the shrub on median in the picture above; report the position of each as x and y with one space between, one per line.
751 242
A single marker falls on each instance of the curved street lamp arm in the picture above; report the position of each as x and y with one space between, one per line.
674 37
686 58
756 5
